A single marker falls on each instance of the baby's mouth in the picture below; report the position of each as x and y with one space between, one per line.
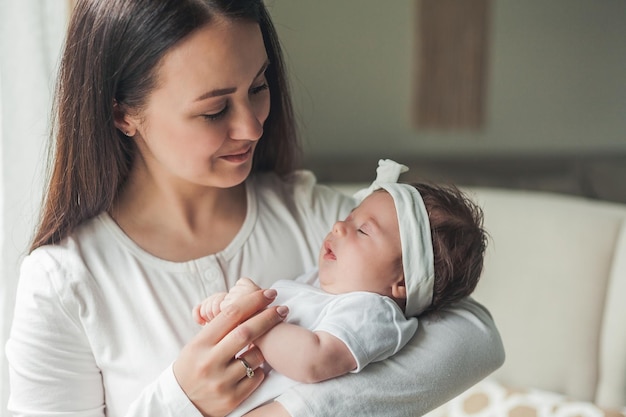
328 251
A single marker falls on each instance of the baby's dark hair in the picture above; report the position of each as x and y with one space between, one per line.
459 242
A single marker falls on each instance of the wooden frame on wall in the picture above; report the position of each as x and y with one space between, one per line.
451 67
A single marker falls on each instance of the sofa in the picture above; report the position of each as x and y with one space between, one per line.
555 282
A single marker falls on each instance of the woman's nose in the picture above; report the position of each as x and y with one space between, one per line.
245 125
339 228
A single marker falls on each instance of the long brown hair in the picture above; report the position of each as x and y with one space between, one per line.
111 54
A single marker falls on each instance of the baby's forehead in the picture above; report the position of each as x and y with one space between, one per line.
379 207
379 201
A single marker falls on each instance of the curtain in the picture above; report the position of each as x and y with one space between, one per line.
452 59
31 33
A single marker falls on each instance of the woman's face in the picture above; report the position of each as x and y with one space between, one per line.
202 122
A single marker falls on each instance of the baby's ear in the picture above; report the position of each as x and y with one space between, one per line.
398 289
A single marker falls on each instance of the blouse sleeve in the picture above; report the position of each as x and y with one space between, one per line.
450 352
51 367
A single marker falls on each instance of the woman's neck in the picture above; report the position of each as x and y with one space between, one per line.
179 223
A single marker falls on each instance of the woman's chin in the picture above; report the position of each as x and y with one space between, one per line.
231 175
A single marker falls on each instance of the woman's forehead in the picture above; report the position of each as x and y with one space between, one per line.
220 55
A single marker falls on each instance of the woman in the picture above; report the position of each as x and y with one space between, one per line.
172 176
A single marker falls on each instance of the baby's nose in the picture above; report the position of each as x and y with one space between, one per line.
339 228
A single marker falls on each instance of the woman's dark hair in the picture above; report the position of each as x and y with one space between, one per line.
112 53
459 242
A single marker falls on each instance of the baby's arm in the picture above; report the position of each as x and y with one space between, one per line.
303 355
294 351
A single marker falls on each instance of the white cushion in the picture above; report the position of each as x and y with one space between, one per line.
548 266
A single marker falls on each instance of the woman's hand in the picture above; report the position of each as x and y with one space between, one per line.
206 368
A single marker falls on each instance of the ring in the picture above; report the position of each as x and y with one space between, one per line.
249 370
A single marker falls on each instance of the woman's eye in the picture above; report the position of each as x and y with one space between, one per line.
216 116
259 88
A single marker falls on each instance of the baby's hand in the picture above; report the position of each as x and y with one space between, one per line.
243 286
211 306
208 309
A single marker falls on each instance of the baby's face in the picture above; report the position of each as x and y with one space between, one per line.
363 252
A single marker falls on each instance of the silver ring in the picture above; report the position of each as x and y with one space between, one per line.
249 370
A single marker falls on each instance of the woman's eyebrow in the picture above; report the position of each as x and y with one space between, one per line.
263 68
224 91
216 93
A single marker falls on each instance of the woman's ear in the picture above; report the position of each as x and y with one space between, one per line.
123 121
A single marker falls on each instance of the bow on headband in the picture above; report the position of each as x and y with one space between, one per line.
415 238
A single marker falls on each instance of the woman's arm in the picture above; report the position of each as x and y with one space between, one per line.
53 368
450 352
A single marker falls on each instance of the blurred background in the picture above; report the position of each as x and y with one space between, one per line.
554 93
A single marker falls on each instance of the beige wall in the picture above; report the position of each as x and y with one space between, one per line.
557 78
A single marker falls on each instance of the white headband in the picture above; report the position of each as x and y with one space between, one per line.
417 245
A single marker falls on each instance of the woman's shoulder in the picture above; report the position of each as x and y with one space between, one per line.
67 258
52 272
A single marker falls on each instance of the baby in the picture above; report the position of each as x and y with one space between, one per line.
404 250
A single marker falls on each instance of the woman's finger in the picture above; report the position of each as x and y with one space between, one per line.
250 330
248 370
247 385
252 357
245 365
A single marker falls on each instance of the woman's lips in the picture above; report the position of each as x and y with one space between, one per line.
240 156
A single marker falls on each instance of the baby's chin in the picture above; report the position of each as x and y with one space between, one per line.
322 275
326 280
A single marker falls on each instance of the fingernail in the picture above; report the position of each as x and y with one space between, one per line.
282 311
270 294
